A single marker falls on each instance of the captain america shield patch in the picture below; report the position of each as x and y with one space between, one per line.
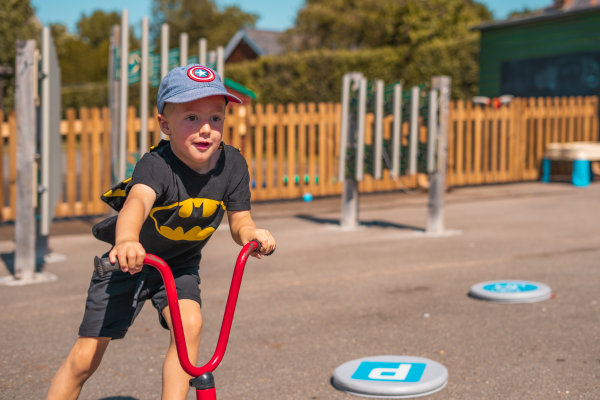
201 74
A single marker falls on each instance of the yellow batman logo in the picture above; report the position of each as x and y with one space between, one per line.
119 190
190 208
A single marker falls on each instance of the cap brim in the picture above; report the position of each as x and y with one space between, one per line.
200 93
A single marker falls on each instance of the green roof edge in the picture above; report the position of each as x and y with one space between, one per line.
240 88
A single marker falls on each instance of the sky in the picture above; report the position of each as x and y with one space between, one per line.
277 15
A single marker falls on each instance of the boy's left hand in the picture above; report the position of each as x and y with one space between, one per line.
267 243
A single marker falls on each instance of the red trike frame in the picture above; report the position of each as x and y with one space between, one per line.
203 381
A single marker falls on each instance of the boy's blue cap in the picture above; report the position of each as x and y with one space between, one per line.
189 83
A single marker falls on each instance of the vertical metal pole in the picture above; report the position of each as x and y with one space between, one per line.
397 131
50 166
348 128
45 136
437 180
124 94
432 131
344 126
349 218
360 142
144 89
202 51
414 130
378 153
114 98
183 49
220 63
25 85
164 50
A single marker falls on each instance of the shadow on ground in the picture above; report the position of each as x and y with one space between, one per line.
370 224
8 259
119 398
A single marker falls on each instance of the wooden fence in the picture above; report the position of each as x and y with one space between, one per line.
293 149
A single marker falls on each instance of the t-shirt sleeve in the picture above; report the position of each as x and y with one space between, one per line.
151 171
238 193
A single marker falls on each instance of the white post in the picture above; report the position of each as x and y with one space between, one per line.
344 126
124 87
437 179
183 49
25 85
114 99
348 139
220 63
50 138
45 137
414 130
164 50
144 89
378 151
396 131
360 142
202 43
432 135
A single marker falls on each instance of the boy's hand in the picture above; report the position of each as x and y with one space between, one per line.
130 255
267 242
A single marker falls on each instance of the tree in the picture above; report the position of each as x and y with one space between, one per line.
356 24
95 29
199 19
83 58
17 22
435 37
525 12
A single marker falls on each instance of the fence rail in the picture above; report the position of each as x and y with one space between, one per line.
292 149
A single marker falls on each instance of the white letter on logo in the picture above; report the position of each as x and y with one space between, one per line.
390 374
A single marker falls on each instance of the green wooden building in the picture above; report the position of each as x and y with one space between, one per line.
550 52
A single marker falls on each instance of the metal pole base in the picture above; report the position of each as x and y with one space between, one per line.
349 219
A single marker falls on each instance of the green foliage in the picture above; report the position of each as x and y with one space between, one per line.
358 24
95 29
83 58
316 76
17 22
407 40
393 40
93 94
525 12
199 19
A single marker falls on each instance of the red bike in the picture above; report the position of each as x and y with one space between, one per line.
203 380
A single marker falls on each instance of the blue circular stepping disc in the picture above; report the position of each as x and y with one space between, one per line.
390 377
511 291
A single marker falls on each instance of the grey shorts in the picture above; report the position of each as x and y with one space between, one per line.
115 300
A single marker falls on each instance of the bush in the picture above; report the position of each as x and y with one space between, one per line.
316 76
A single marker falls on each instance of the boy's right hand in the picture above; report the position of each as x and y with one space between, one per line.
130 254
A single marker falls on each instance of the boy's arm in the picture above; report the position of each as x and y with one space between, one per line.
243 229
128 249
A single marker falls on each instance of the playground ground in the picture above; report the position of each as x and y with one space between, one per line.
329 296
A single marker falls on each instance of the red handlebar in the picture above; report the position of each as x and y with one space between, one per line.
172 299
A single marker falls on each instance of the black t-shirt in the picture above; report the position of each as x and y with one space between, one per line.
189 206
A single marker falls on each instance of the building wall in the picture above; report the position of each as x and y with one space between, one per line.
551 57
242 52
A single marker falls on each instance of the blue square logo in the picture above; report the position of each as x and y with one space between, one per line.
389 371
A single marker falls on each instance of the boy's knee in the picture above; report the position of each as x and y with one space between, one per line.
85 359
192 325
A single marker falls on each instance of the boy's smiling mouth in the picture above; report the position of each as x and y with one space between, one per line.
202 145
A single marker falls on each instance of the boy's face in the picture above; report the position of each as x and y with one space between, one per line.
195 130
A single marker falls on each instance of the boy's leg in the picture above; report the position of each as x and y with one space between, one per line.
175 383
82 361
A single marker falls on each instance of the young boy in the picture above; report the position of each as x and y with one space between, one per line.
171 205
